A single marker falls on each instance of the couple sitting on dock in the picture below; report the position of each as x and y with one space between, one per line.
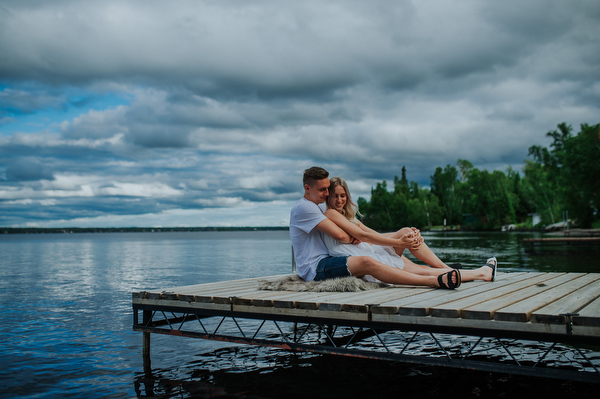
329 242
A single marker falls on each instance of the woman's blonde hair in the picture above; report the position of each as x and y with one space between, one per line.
350 209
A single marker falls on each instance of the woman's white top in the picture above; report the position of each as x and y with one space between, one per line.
385 255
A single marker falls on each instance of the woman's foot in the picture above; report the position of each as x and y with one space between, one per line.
493 264
450 280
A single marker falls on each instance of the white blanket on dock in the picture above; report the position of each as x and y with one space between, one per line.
295 283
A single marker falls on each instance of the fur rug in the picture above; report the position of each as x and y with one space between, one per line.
295 283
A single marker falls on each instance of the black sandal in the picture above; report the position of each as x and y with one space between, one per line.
450 285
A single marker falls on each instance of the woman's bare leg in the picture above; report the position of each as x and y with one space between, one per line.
425 254
422 252
363 265
422 270
483 273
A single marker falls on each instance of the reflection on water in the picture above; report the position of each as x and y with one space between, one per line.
263 373
66 317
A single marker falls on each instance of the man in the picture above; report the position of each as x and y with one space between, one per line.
308 223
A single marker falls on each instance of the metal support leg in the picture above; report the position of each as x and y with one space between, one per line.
146 353
146 344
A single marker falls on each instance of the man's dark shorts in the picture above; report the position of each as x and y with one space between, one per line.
332 267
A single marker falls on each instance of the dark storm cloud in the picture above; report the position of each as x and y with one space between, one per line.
28 170
222 105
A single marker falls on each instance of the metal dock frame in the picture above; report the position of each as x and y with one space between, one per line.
331 336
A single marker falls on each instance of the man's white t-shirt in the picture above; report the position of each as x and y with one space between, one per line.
307 242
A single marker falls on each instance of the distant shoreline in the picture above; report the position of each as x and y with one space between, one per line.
72 230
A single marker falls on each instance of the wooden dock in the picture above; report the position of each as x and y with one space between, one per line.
560 242
553 307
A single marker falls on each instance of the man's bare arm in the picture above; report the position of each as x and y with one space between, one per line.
334 231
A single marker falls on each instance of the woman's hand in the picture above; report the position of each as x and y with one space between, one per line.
355 241
418 239
411 240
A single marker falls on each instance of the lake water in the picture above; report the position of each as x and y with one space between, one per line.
66 320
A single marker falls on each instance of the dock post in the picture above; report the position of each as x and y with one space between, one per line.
146 353
146 345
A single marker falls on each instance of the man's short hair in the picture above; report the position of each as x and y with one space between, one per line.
311 175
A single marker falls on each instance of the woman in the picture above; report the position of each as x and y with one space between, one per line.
341 210
340 200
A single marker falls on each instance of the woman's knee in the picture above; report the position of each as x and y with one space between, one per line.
405 230
361 265
402 232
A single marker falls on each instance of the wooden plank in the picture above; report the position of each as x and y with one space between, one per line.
418 305
287 299
522 310
184 306
507 286
284 299
229 296
204 295
360 301
222 290
423 306
589 316
335 301
265 297
555 312
312 300
300 300
276 298
583 331
491 325
376 297
206 286
273 298
486 310
205 289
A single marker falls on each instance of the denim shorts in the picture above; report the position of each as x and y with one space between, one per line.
332 267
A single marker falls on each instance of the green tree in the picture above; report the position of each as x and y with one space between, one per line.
444 186
566 177
517 190
406 205
378 212
539 190
425 210
488 199
464 168
581 167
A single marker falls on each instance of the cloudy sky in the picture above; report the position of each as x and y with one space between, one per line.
206 113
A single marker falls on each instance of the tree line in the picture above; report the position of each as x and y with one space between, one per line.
562 179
